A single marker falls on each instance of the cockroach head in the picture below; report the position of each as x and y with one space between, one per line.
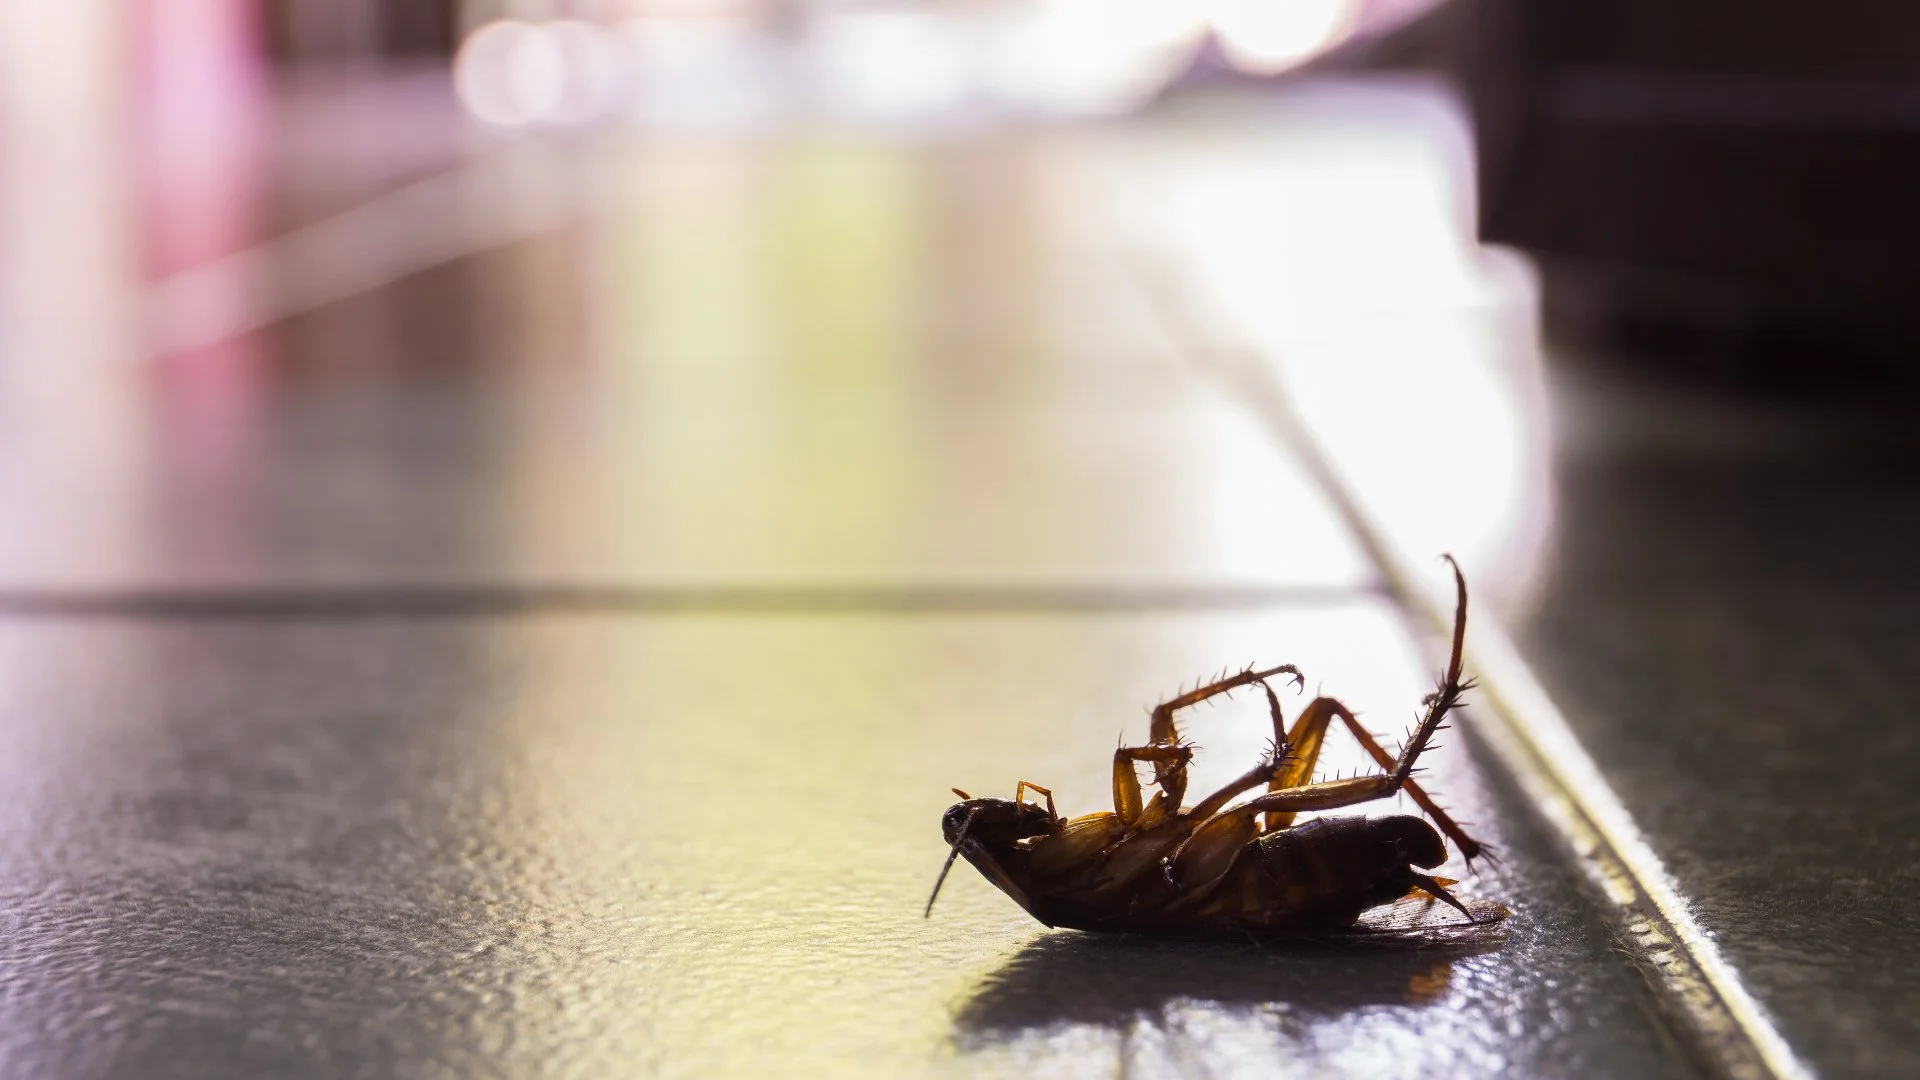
972 822
992 821
1414 839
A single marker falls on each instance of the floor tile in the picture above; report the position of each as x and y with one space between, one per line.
690 845
1729 625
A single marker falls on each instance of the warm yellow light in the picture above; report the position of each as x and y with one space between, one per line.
1339 253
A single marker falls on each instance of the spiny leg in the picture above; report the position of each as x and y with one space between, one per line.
1144 849
1206 855
1267 771
1307 737
1446 697
1206 808
1162 730
1173 780
1170 772
1337 794
1279 769
1224 831
1304 744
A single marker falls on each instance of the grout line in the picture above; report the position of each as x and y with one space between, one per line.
1703 993
484 600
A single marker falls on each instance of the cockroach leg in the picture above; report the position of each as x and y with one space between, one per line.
1170 768
1252 778
1161 729
1207 854
1020 790
1325 795
1247 781
1334 794
1304 743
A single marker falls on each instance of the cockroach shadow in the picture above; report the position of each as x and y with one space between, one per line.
1115 981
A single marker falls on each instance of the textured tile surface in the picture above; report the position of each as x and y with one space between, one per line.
689 845
1729 620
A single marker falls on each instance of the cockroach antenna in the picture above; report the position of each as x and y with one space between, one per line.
948 865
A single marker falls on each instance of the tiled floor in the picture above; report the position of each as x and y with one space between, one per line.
690 844
555 658
1731 623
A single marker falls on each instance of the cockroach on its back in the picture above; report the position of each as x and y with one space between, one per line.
1220 868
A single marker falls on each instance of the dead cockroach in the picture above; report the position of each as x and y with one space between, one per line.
1217 868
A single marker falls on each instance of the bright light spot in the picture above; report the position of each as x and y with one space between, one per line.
1340 252
594 66
714 70
1266 36
1094 56
905 64
511 73
1144 23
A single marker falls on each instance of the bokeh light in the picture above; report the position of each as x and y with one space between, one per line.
725 64
890 64
1093 56
595 69
1269 36
512 72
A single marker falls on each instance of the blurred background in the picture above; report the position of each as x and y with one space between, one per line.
1726 206
370 369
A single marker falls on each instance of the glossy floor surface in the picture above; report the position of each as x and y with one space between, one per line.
538 634
1731 625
